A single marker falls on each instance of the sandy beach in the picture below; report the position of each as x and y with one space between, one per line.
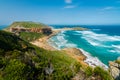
42 42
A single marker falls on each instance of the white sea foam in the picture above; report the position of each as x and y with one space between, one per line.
92 41
116 46
59 41
93 61
100 37
115 49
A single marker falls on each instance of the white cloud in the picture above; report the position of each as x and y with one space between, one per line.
68 1
70 6
108 8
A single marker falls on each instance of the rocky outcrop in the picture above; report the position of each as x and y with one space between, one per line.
114 68
46 30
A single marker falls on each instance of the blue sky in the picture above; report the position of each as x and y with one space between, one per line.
61 11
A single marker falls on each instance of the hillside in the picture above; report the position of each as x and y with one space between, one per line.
28 24
29 31
20 60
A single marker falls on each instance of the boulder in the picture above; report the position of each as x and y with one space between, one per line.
114 70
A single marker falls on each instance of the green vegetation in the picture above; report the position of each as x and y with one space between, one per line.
20 60
103 74
98 72
89 71
27 24
30 36
117 61
80 28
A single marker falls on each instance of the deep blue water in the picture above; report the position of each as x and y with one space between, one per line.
2 27
101 42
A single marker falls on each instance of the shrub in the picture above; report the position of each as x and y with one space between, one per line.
117 61
89 71
98 71
16 70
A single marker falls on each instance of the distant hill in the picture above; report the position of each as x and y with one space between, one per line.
27 24
29 31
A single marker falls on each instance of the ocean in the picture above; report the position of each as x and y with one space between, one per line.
101 44
2 27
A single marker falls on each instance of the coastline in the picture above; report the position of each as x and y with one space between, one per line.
83 57
43 43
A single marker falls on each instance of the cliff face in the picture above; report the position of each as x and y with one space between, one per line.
29 27
114 68
35 30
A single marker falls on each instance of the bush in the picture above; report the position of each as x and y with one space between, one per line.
89 71
30 36
117 61
16 70
98 71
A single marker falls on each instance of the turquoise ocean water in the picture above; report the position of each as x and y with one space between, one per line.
101 44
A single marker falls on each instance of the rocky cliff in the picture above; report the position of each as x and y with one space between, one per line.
114 68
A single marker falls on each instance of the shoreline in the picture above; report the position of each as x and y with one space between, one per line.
83 58
43 43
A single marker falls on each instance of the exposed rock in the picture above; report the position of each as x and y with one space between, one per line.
114 70
45 30
49 69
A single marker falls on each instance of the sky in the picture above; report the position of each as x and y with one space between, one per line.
85 12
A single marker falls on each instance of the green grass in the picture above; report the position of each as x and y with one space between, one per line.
104 75
64 66
27 24
89 71
98 72
80 28
31 36
20 60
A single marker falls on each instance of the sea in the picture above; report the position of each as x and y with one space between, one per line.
3 26
100 44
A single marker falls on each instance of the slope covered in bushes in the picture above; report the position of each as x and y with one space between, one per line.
20 60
